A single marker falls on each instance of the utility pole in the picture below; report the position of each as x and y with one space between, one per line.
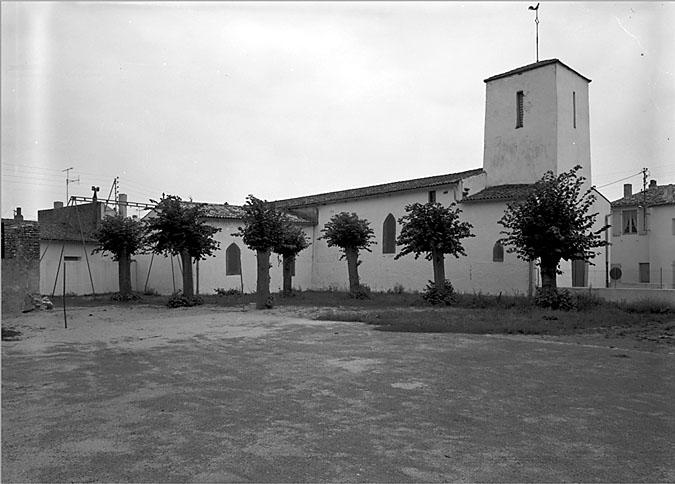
68 180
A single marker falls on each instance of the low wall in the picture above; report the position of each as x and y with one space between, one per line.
618 294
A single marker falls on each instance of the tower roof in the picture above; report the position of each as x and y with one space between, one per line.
535 65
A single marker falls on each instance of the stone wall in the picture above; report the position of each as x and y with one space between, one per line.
20 263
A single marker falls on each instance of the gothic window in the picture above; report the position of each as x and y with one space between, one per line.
629 221
232 260
519 109
498 252
389 235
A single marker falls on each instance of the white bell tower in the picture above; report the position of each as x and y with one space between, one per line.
536 119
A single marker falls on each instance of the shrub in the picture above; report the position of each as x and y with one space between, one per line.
548 297
397 289
362 292
586 302
435 296
650 306
124 297
227 292
178 300
151 292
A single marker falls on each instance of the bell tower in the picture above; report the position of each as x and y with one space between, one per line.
536 120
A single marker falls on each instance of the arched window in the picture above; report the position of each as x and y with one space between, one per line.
232 260
498 252
389 235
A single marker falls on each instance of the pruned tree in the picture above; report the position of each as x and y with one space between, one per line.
122 237
262 232
553 224
433 230
292 242
351 234
178 228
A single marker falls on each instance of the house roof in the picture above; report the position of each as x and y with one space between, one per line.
373 190
534 65
500 193
658 195
234 212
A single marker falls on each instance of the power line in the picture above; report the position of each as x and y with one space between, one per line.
620 180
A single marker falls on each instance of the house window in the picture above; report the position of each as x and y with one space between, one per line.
579 273
574 110
232 260
644 271
389 235
629 221
519 109
498 252
432 196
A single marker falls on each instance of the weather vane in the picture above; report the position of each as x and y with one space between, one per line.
536 21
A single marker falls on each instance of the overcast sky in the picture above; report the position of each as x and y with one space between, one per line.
214 101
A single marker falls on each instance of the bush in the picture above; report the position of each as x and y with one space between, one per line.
151 292
554 299
178 300
435 296
586 302
397 289
227 292
124 297
363 292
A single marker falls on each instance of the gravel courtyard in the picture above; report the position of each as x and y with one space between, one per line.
210 394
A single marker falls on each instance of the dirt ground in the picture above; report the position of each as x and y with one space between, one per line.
210 394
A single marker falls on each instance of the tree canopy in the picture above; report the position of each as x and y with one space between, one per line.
120 235
431 227
553 223
347 230
263 225
292 241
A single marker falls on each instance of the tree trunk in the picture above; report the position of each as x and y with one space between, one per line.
263 282
124 270
288 277
188 289
549 267
353 268
438 260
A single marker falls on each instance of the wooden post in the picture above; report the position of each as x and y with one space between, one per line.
65 320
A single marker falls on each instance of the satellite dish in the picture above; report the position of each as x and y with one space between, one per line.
615 273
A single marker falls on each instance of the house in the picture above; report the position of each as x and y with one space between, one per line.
66 237
643 237
20 262
536 119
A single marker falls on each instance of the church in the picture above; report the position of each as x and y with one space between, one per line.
536 120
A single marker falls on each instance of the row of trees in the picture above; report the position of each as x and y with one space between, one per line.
550 225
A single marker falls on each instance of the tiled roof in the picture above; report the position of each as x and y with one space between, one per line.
658 195
534 65
500 193
374 190
235 212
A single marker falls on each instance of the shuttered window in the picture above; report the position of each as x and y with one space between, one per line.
432 196
519 109
232 260
389 235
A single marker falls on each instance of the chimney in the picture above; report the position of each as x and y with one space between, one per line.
122 201
627 190
17 215
652 184
58 204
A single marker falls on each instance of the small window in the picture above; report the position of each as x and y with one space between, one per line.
498 252
644 271
574 110
72 258
674 226
432 196
389 235
232 260
629 221
519 109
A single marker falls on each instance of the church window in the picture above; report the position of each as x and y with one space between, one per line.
519 109
389 235
629 221
232 260
432 196
574 109
498 252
